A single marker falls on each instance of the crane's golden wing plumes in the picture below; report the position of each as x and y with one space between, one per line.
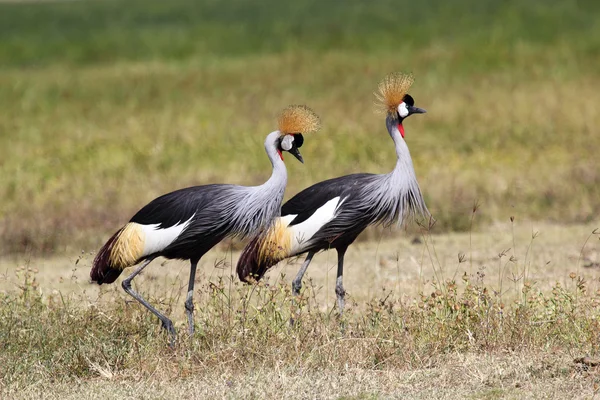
392 90
298 119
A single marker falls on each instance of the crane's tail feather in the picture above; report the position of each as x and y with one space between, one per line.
101 266
122 250
264 251
249 266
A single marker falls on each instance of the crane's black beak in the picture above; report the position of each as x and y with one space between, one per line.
296 153
416 110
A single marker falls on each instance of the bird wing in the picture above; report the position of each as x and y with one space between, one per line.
180 222
303 222
304 204
324 211
176 207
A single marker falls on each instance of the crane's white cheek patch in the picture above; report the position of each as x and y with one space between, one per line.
287 142
402 110
304 231
158 239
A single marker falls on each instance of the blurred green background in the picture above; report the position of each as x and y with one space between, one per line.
107 104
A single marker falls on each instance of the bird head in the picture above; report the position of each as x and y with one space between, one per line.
407 107
394 99
293 122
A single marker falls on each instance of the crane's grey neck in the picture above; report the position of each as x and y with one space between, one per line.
278 179
404 161
400 190
246 210
259 206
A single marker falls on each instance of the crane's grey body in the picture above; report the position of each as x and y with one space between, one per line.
217 211
341 208
186 223
365 199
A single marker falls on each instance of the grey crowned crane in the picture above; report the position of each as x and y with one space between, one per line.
332 213
186 223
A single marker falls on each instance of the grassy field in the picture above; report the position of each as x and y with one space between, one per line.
108 104
507 319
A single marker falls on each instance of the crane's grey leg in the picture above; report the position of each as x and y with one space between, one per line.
339 287
297 282
126 284
189 302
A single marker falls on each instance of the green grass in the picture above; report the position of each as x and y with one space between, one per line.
87 32
106 105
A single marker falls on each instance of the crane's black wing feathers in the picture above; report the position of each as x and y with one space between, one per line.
176 207
305 203
206 229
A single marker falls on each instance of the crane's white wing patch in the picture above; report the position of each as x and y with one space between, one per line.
304 231
157 239
287 219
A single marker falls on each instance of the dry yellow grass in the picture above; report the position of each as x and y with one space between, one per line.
535 375
398 264
407 333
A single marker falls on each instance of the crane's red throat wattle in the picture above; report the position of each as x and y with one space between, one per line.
401 129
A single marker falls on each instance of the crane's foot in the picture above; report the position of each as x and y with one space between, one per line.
295 313
341 293
296 286
189 310
341 303
168 326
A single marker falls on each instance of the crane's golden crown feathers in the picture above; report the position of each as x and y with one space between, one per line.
392 90
298 119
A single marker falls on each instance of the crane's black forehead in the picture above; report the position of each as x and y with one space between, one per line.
408 100
298 139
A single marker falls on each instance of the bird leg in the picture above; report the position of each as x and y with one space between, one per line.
189 302
339 287
297 282
126 284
